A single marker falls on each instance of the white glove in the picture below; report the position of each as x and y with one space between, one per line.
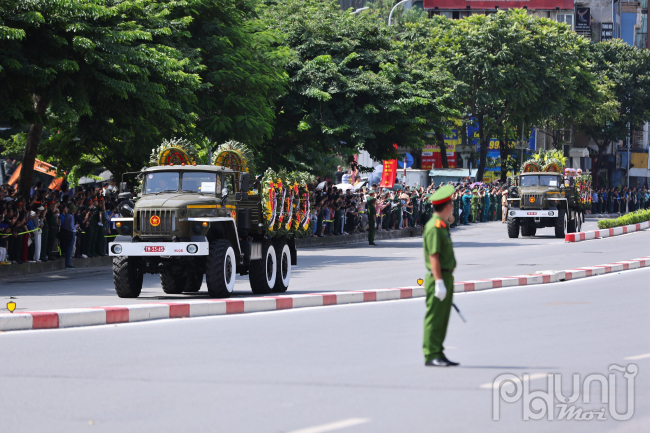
441 290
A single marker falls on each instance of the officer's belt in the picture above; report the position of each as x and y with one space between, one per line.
447 270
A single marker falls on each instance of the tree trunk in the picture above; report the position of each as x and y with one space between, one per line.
503 153
440 138
31 148
484 149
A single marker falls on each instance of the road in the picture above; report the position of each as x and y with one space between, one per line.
356 367
482 251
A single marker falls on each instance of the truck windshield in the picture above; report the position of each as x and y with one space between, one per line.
201 182
539 180
163 181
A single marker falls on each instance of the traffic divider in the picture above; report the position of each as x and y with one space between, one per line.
605 233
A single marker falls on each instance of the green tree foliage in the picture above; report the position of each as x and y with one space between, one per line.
105 76
626 68
511 67
351 87
243 70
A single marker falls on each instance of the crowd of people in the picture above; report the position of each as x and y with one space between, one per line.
616 200
52 224
343 212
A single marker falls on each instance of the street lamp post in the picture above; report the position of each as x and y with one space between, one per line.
359 10
390 16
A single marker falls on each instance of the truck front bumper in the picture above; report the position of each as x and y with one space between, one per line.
153 249
532 213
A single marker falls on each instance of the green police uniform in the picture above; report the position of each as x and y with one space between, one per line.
475 202
372 220
436 239
492 208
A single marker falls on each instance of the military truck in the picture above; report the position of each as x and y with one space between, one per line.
543 199
194 220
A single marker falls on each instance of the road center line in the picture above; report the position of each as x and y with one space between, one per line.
338 425
496 384
634 358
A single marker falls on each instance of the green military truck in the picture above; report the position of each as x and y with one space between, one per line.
544 199
194 220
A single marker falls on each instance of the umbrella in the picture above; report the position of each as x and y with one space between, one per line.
344 186
321 185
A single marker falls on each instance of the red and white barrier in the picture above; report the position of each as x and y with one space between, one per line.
75 317
211 307
605 233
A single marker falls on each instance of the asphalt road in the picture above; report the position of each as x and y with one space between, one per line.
354 368
482 251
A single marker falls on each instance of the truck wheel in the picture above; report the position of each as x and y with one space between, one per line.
560 223
513 228
220 268
263 272
579 222
283 261
193 283
571 225
528 229
171 284
127 276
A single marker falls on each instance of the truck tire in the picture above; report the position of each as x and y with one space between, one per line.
263 272
127 276
528 229
283 264
571 226
171 284
220 269
193 283
513 228
560 224
579 221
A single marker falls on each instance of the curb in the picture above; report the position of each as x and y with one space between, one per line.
76 317
545 277
605 233
52 265
357 238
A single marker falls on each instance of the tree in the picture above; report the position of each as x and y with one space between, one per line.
105 76
244 70
510 67
351 87
625 67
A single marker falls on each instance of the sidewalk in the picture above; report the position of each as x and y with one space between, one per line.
601 216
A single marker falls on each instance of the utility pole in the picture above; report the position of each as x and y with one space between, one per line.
629 144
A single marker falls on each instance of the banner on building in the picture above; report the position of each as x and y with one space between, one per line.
388 174
607 32
431 157
583 19
490 5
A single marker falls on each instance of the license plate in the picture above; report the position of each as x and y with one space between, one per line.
154 249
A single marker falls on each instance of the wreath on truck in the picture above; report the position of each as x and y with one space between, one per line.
286 203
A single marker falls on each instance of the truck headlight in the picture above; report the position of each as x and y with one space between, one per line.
551 213
512 213
192 249
117 249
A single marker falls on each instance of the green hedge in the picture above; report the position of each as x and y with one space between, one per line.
635 217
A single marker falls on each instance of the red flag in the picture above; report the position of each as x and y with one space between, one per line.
389 174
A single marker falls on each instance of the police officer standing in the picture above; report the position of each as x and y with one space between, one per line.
439 285
372 217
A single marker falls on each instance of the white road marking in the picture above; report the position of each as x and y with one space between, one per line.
492 385
634 358
338 425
